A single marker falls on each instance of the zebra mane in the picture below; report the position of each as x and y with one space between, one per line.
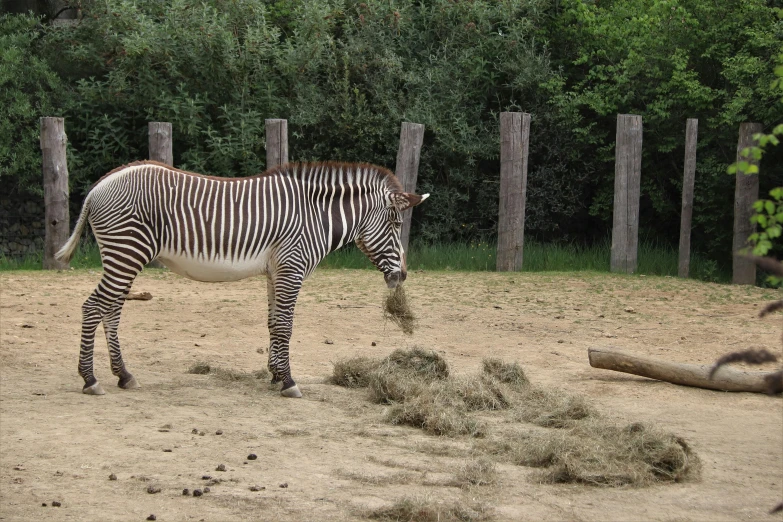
392 183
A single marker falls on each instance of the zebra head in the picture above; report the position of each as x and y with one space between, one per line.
380 238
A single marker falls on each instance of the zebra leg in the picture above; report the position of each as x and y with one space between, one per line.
95 308
270 302
287 283
111 323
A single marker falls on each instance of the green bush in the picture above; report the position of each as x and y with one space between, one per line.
29 91
346 73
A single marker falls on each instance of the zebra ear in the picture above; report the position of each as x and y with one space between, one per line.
404 200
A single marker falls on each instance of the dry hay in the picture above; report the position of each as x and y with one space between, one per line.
397 309
353 372
551 408
600 454
584 448
423 509
229 376
509 373
476 472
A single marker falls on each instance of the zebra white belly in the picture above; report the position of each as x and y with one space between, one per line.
214 270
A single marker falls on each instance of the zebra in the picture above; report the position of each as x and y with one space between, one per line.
281 223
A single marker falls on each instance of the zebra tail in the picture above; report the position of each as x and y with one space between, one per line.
66 252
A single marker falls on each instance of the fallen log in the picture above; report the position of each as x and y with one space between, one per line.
697 375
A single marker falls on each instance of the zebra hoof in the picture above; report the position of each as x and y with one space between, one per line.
95 389
128 383
292 392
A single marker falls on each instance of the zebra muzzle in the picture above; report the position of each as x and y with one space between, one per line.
395 278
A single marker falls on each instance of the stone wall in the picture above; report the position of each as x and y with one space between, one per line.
21 225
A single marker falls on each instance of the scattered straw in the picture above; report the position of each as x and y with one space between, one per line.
398 310
476 472
600 454
230 376
422 509
552 408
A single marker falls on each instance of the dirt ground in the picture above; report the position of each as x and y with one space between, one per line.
338 458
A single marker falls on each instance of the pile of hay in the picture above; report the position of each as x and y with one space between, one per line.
578 445
601 454
397 309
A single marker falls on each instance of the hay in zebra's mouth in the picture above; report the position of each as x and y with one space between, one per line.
397 309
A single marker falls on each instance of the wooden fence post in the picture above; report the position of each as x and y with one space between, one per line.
407 169
514 145
627 179
276 142
160 142
55 181
691 134
161 147
746 192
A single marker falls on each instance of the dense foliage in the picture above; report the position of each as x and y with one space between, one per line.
346 73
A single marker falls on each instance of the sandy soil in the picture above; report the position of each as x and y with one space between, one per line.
332 449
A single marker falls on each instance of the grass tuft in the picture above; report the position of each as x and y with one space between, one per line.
354 372
397 309
509 373
423 363
200 368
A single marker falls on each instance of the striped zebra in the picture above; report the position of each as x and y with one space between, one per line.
281 223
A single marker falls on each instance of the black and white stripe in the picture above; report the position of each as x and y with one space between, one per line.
281 223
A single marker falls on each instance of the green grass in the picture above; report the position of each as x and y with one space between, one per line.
86 256
654 259
477 257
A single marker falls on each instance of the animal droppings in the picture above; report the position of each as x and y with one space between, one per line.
221 467
252 456
43 504
152 517
194 431
374 343
112 477
201 433
284 485
397 309
153 489
56 504
219 432
167 450
197 493
186 491
257 488
207 490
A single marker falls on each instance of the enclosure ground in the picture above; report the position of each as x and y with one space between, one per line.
337 457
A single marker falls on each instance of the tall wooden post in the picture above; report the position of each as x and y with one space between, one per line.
627 179
689 176
160 142
746 192
55 181
407 169
276 142
514 145
161 138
